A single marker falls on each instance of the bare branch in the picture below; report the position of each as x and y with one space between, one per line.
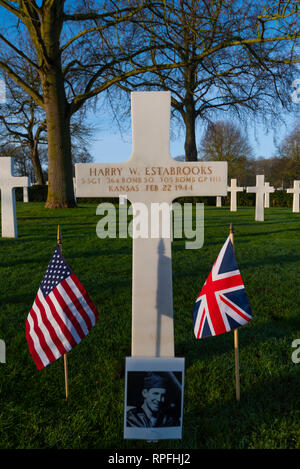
19 52
11 8
110 23
35 96
104 16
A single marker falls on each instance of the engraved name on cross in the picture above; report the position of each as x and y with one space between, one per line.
151 176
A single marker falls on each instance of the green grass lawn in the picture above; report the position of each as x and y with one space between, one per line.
34 412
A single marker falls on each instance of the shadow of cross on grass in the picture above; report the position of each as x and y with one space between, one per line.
162 300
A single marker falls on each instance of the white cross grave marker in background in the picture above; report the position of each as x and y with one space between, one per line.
295 191
8 201
74 187
233 189
151 176
260 189
268 189
25 194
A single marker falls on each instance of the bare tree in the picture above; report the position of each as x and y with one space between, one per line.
55 31
224 141
102 40
22 123
288 157
23 130
238 57
290 146
22 158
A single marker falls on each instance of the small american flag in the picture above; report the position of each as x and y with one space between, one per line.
222 304
61 315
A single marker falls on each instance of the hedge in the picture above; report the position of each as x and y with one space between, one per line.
279 198
36 193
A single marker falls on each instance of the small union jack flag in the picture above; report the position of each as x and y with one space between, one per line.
222 304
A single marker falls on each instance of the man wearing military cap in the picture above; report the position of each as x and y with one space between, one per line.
153 412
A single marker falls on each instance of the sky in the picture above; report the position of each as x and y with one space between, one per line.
109 146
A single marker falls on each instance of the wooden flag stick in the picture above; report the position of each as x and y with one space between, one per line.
236 343
59 243
66 375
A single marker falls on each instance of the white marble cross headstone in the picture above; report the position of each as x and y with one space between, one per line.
233 189
295 191
8 201
151 176
268 190
260 189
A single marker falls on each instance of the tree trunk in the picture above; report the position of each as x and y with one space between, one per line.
190 146
60 178
38 172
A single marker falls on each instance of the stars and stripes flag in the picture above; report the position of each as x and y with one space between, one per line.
61 315
222 304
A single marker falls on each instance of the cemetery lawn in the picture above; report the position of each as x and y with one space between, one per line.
34 412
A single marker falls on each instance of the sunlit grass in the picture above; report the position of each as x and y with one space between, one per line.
34 412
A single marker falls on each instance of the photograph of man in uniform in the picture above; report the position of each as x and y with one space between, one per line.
159 403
